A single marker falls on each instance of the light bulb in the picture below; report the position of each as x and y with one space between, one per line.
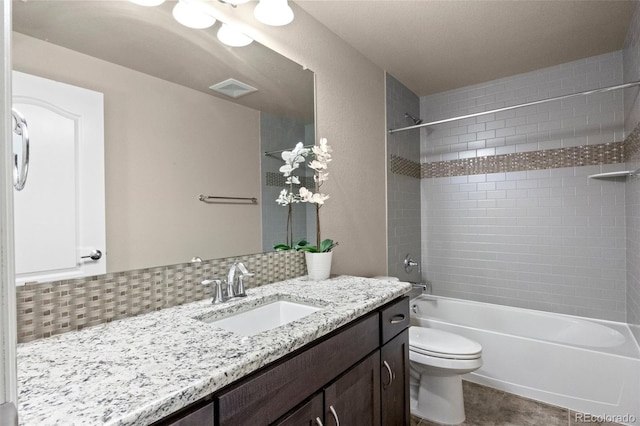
232 37
191 17
273 12
147 2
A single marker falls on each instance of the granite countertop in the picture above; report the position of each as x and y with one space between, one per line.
138 370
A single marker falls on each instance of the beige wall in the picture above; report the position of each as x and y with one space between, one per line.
350 112
351 115
164 145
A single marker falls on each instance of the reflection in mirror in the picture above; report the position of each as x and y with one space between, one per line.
168 137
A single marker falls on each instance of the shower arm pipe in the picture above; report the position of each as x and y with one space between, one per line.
542 101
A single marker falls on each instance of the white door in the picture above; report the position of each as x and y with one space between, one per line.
8 369
59 217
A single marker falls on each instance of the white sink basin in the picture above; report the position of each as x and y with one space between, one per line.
264 317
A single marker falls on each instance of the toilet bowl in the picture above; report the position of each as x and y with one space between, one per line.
438 359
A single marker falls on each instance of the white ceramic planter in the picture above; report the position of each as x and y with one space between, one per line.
318 265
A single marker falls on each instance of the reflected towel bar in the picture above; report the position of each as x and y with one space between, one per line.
280 151
211 198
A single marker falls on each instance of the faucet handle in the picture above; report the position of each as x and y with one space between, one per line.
240 292
218 296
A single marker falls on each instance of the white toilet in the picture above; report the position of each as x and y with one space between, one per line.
438 359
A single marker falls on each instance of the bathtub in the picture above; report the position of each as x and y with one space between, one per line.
589 366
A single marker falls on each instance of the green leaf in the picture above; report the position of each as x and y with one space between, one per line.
298 245
326 245
281 247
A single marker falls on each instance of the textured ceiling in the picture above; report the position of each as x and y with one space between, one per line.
434 46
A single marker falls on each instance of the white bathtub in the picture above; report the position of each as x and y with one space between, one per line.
589 366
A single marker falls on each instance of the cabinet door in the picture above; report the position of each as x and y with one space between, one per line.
394 378
309 414
354 399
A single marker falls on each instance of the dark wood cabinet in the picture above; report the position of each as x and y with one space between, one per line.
354 399
265 396
309 414
394 379
196 415
357 375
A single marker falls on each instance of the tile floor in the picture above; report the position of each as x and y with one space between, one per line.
486 406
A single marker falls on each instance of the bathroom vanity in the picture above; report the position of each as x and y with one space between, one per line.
348 361
356 375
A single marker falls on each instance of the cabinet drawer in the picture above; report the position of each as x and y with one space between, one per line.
267 395
393 319
202 416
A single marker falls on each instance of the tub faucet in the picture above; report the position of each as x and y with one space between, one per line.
233 289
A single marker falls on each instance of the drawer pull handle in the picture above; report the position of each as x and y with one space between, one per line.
388 367
335 415
318 421
396 319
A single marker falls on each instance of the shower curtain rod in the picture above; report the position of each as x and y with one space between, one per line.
478 114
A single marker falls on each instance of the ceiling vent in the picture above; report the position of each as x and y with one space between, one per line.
234 88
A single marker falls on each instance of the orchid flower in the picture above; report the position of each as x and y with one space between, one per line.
292 160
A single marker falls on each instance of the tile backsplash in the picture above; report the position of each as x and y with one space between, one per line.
47 309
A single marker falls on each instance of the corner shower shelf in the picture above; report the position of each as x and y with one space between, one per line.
621 173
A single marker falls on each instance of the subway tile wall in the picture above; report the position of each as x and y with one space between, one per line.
584 120
551 240
631 67
631 72
403 189
548 239
633 252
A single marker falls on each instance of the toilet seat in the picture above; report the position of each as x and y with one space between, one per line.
442 344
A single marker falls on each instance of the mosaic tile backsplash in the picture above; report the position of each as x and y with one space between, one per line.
47 309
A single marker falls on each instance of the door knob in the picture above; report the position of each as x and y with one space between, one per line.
94 255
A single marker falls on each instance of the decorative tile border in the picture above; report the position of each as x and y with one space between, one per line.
47 309
402 166
585 155
632 145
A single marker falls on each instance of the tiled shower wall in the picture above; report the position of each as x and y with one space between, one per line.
403 181
277 133
631 67
548 239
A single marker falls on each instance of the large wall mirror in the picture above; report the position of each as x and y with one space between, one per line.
168 137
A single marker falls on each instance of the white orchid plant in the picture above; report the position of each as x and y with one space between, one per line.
293 159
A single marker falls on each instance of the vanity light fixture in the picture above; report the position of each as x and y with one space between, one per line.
273 12
149 3
231 36
192 17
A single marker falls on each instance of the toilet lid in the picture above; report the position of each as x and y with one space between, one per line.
442 344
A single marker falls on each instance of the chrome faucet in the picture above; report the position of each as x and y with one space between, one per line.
233 289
